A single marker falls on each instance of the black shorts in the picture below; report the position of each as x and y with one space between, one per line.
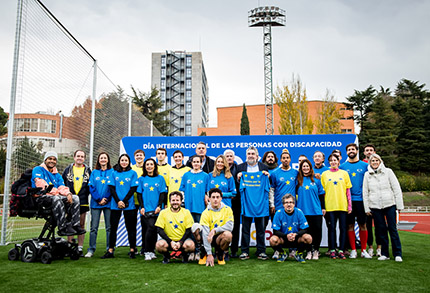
357 213
289 244
84 209
213 243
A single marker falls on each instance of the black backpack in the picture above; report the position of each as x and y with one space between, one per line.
19 199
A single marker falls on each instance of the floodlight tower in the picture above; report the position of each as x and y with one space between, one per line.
267 17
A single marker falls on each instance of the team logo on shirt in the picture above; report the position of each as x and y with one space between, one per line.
199 181
128 179
97 178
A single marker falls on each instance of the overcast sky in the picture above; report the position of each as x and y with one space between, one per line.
331 44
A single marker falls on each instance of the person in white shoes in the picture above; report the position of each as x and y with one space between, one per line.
382 197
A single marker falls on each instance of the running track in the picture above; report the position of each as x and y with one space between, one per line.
423 225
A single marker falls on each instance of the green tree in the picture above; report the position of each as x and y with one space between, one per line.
412 105
329 116
149 105
203 133
3 121
360 102
244 122
293 108
26 155
2 161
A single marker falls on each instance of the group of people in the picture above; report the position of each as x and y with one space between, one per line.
196 208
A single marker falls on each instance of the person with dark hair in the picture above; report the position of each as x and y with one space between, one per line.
339 154
382 197
207 164
356 170
319 166
163 166
369 149
122 185
139 158
76 176
310 200
176 173
290 229
270 160
215 226
174 227
100 199
151 193
337 185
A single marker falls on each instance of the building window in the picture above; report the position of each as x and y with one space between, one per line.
188 108
163 72
188 61
346 130
48 142
163 84
187 118
188 84
48 126
26 124
188 130
188 96
189 73
163 61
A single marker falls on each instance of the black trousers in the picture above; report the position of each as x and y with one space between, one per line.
237 209
130 220
315 230
150 235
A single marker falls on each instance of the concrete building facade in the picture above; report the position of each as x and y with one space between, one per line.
180 76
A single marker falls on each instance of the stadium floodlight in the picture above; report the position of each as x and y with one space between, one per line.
267 16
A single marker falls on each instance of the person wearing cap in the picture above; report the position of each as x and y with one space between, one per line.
382 197
64 203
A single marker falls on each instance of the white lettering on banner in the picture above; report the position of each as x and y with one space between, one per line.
310 144
245 145
147 146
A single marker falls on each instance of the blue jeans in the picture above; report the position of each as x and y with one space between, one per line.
260 230
385 221
95 220
196 217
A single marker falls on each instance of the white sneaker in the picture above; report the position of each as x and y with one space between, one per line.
197 256
370 252
292 253
191 256
89 254
353 254
153 256
148 256
315 255
309 255
275 255
383 257
398 259
378 252
364 254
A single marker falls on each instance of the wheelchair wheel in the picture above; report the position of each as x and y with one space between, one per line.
46 257
13 254
28 252
74 254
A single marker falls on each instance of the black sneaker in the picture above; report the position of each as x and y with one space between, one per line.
108 255
185 257
226 256
166 260
79 230
132 254
262 256
81 253
67 231
234 255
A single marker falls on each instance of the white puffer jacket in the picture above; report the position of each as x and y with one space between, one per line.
381 189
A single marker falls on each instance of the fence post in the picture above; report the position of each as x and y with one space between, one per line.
93 113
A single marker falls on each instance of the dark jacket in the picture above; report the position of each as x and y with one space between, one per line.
208 167
244 166
85 189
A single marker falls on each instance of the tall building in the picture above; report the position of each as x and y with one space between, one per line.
180 76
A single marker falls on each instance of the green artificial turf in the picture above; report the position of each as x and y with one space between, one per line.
122 274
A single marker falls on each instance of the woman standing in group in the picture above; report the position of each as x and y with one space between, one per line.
150 193
310 199
221 178
123 184
337 186
100 199
382 196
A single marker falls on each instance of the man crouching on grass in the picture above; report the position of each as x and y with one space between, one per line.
216 225
289 229
174 227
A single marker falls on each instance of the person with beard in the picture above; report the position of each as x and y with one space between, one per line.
174 227
270 160
356 170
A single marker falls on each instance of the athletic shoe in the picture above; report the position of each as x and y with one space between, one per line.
383 257
185 257
191 257
283 257
226 256
108 255
202 260
333 255
221 260
234 255
67 231
262 256
341 255
81 252
153 256
166 260
328 253
275 255
378 252
309 255
315 255
293 253
197 256
244 256
148 256
79 230
299 257
370 252
142 252
353 254
398 259
89 254
364 254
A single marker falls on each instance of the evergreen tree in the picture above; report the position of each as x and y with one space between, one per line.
149 105
360 102
26 155
244 122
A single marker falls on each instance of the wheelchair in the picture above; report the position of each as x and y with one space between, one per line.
46 247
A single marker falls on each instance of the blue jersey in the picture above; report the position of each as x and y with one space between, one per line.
308 197
50 178
356 173
254 191
123 181
283 182
227 187
151 187
292 223
99 188
195 186
320 170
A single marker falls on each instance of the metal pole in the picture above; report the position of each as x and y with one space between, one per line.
152 128
129 115
93 113
11 124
